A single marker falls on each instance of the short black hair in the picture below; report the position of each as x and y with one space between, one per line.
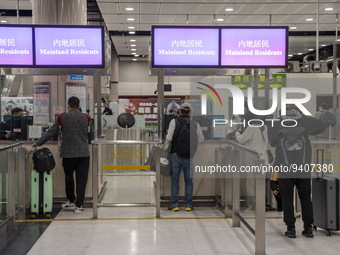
16 110
73 102
324 106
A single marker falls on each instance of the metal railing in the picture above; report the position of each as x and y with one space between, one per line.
13 185
98 147
236 155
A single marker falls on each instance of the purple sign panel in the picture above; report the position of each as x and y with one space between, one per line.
68 46
185 47
251 47
16 46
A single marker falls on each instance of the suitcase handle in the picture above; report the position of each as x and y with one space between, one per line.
322 161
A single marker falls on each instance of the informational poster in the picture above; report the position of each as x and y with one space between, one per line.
16 46
9 103
140 106
262 47
41 97
77 89
191 46
69 46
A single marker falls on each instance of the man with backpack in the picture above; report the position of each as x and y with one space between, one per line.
76 130
294 151
184 134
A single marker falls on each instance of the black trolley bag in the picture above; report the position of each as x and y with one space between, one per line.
41 183
325 197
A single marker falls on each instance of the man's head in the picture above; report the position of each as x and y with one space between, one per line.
323 107
17 111
73 102
185 109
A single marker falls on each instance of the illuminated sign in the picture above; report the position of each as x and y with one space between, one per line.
16 46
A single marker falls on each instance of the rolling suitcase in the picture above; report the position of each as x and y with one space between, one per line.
325 197
41 194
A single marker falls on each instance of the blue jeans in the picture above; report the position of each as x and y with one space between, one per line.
178 163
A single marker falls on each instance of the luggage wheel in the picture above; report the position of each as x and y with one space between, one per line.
328 233
48 215
33 215
315 228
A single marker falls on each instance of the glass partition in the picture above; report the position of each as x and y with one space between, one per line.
126 178
4 185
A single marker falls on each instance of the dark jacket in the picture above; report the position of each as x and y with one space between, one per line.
76 129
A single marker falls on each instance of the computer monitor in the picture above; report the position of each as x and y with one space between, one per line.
206 123
20 127
7 117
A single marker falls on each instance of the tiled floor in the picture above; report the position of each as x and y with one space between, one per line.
140 236
133 230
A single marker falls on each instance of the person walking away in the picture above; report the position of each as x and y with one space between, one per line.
76 130
183 136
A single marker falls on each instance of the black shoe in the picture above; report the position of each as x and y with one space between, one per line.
291 233
308 232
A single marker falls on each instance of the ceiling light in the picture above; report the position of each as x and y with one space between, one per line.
131 27
309 19
129 9
133 53
3 21
133 45
292 28
132 40
130 19
329 9
134 59
323 45
220 20
229 9
133 49
132 32
300 53
310 49
338 40
290 55
136 55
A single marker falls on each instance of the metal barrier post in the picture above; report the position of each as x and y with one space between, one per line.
158 184
11 189
260 219
95 180
21 156
236 189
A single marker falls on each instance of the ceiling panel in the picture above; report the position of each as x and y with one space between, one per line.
148 19
169 9
112 18
166 19
189 8
150 8
108 8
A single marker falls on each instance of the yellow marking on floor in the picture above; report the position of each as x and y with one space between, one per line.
101 219
125 167
118 219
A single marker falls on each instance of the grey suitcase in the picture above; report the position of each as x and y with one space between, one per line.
325 197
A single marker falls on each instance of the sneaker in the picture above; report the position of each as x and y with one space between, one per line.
297 214
189 207
291 233
79 210
68 206
173 207
308 232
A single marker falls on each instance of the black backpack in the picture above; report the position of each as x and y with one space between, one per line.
43 160
294 146
187 139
